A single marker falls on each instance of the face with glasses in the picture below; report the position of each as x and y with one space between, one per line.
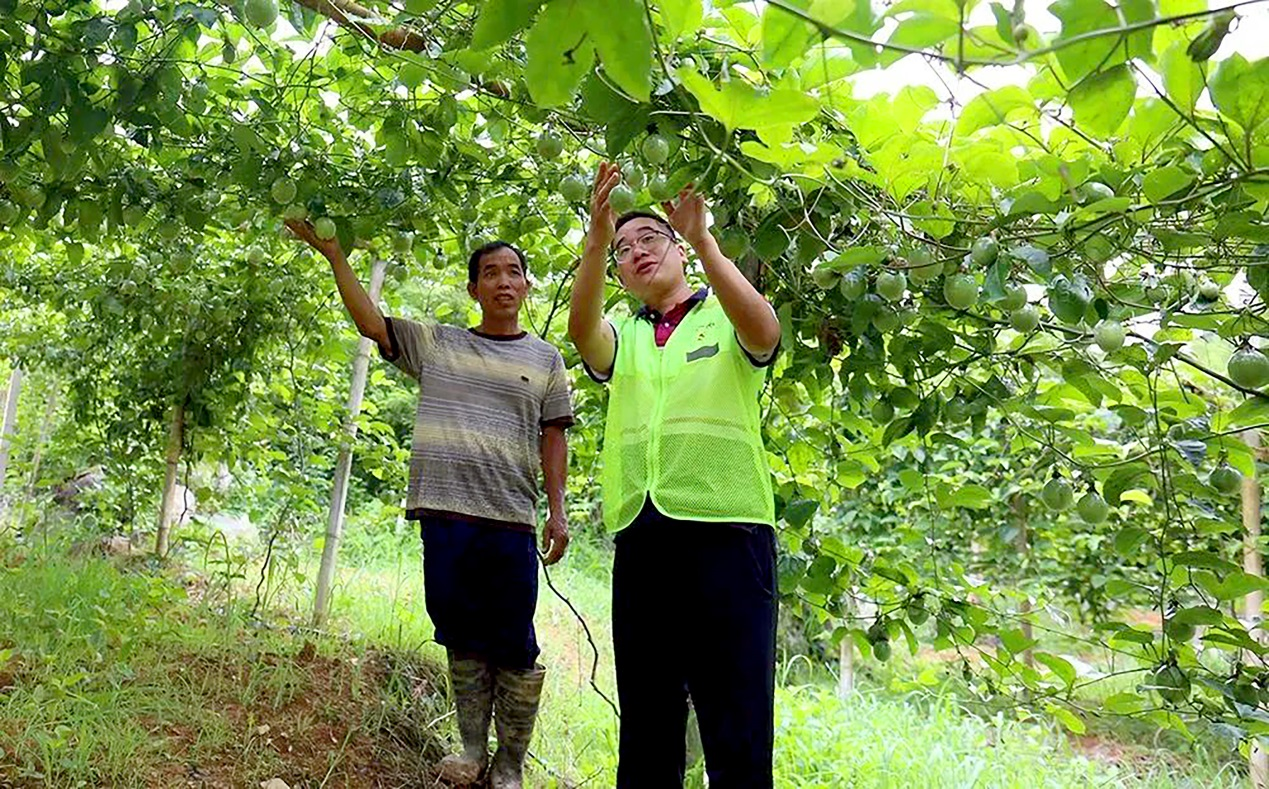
647 257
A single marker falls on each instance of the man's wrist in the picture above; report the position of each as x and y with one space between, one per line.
703 243
594 246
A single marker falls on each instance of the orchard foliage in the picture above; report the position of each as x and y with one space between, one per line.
1038 309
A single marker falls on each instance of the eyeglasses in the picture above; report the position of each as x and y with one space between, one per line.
647 240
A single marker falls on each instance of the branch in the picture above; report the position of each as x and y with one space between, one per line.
342 12
349 7
828 31
1197 365
1180 356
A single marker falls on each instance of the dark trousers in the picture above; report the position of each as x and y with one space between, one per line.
694 612
481 586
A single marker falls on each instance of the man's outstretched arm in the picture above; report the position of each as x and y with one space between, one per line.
587 328
365 313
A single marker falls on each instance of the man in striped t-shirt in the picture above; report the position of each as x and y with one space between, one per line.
493 408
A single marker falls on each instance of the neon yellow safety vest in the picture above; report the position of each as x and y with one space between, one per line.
684 426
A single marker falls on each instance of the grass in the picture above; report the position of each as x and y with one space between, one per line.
875 741
112 676
876 738
121 676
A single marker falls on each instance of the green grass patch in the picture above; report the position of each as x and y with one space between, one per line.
876 738
123 675
113 676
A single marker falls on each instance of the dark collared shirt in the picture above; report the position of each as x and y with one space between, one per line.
665 326
667 323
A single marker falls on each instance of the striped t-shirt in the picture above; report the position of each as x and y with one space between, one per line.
483 401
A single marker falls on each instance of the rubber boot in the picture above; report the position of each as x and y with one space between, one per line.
472 681
517 693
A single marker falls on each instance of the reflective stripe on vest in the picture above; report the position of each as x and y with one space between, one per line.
684 425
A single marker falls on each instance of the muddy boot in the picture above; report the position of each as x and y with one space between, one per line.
516 696
472 680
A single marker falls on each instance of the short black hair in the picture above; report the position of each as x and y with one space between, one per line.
473 262
630 216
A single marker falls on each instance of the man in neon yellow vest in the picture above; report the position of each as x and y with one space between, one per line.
686 488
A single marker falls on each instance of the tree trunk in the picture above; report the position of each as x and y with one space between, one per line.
167 506
1022 542
846 654
10 421
46 427
343 463
1253 603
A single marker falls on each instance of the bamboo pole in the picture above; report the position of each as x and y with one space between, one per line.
167 504
343 463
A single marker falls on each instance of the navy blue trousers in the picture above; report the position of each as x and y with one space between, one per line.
694 612
481 585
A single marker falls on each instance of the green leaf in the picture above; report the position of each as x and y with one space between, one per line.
897 429
602 103
1125 703
559 53
1198 615
1067 718
1036 259
855 257
1129 635
1182 78
919 31
912 479
739 105
994 282
623 119
1241 224
412 72
86 122
771 239
1004 22
1058 665
785 36
1164 182
974 497
937 218
1240 90
822 66
681 16
991 108
1129 539
1236 584
499 20
1203 560
620 31
819 576
1102 101
799 511
857 17
1086 16
1015 641
1053 415
1233 640
1253 411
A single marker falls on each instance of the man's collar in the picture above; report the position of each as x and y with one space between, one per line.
652 316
